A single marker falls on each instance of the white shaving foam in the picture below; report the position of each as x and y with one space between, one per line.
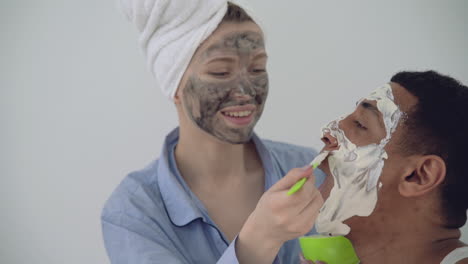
356 170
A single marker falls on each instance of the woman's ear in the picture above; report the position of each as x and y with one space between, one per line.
179 92
427 173
177 97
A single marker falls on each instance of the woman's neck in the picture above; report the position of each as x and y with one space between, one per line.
202 158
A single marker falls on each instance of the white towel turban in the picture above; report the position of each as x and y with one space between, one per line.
170 33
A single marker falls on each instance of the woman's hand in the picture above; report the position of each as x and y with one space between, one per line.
305 261
279 217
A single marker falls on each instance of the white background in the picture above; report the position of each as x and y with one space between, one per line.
79 109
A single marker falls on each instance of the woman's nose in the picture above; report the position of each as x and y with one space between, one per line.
243 92
244 87
331 143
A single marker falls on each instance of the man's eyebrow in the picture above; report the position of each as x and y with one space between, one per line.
373 109
369 106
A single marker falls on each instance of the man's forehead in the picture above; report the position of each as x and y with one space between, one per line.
373 99
401 97
381 102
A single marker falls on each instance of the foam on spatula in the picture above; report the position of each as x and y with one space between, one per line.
319 158
315 163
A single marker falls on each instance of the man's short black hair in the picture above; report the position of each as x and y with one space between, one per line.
438 125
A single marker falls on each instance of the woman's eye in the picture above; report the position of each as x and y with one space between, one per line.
258 70
219 74
359 125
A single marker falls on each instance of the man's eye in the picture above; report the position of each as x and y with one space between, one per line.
359 125
219 74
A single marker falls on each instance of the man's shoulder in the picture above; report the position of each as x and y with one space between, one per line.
464 254
457 256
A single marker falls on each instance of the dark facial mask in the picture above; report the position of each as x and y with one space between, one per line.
203 99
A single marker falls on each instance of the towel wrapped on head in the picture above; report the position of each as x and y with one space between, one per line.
170 33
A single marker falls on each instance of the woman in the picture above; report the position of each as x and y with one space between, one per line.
217 192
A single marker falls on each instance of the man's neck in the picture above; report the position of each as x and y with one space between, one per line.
205 160
412 242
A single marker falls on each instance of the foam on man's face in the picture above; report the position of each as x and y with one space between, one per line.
230 73
357 164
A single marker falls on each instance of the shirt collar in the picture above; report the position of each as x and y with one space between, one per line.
181 204
180 207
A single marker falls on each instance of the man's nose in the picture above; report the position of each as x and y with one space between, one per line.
331 143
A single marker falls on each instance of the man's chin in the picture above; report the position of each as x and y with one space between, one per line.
324 166
329 182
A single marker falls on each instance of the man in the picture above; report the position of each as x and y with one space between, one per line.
411 212
203 200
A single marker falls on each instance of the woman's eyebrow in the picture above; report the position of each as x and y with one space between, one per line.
213 48
225 58
217 49
261 55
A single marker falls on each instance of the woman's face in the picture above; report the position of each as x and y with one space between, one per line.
226 84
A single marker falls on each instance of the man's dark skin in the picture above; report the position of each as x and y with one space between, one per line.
407 224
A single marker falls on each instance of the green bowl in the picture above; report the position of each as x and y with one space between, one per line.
331 249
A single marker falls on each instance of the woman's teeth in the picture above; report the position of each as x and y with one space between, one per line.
238 114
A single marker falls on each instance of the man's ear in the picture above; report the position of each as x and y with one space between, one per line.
426 174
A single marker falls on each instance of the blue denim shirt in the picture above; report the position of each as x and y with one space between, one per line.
153 216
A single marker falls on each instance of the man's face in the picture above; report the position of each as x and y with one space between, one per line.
362 153
365 126
226 84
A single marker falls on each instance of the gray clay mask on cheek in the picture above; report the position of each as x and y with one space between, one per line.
204 99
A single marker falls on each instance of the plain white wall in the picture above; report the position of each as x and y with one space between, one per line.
79 109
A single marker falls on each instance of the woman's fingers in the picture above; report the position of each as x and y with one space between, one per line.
291 178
